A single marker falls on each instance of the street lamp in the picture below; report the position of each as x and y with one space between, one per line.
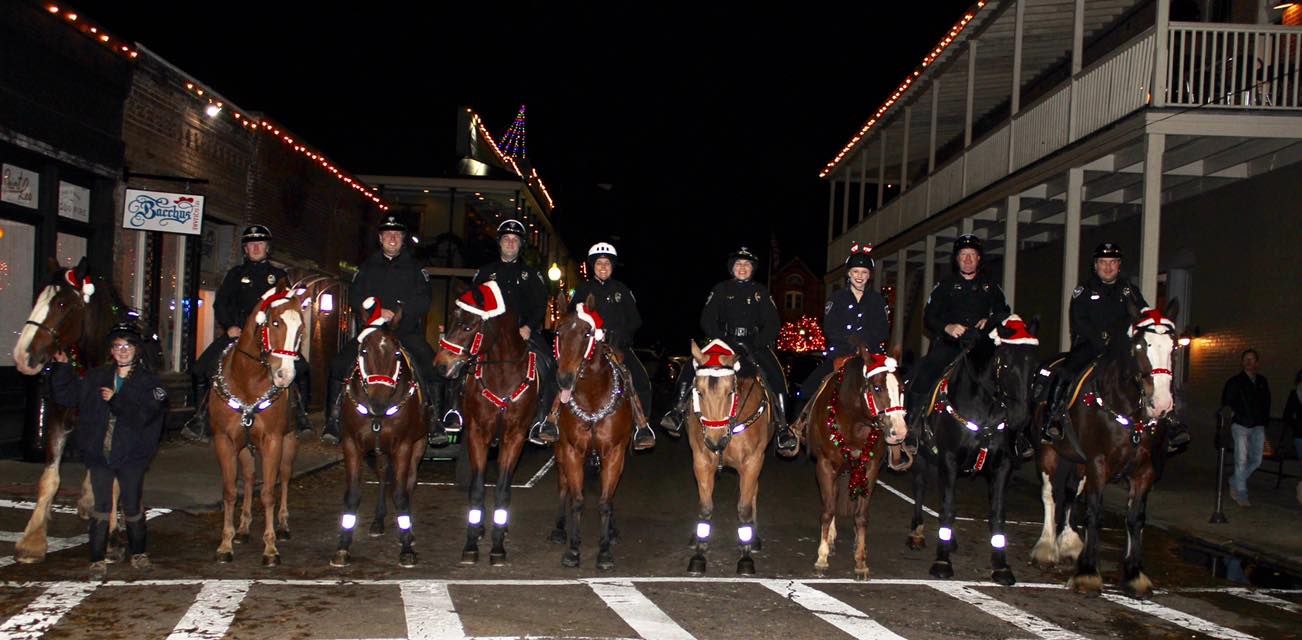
554 273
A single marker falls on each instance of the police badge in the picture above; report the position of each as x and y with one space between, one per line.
245 280
271 278
159 394
618 296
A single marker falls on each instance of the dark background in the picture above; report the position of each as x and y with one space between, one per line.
676 132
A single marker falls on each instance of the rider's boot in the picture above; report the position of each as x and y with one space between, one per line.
544 431
330 432
197 428
1177 436
788 443
438 434
452 419
672 422
1057 413
306 431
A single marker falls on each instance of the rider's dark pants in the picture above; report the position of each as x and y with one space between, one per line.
815 378
205 366
547 388
767 362
928 371
641 381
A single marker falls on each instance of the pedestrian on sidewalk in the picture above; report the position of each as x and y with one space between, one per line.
1247 395
120 419
1293 420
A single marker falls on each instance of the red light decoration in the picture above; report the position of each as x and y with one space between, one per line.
801 336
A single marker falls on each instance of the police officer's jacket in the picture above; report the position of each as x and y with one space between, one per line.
1101 311
850 323
615 303
396 281
522 287
955 300
137 410
741 311
242 290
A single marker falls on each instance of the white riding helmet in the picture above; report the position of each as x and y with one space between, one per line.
600 250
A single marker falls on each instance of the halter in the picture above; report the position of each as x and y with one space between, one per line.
269 300
376 321
877 365
247 410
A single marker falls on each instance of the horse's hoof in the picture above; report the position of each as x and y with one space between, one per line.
225 557
27 557
570 558
377 529
1087 584
746 566
820 571
942 569
282 534
916 543
497 558
557 536
696 567
342 559
470 556
1139 587
407 559
241 538
605 561
861 574
272 560
1003 576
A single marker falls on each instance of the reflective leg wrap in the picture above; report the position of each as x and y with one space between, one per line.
703 530
348 521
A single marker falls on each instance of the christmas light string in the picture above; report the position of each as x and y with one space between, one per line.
801 336
93 32
478 123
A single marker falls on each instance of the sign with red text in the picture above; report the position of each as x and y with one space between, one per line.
162 211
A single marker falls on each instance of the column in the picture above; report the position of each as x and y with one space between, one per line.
971 90
845 201
928 281
902 267
863 177
931 133
1070 253
1161 28
1151 224
904 151
1078 37
1011 211
881 173
831 208
1018 31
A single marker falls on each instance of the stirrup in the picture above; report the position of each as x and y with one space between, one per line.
448 421
644 437
540 435
788 443
672 422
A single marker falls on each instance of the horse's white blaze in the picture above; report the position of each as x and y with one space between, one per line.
39 312
293 322
899 428
1160 349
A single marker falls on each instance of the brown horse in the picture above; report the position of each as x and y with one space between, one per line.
498 402
383 410
855 415
1116 429
249 411
72 314
597 422
729 425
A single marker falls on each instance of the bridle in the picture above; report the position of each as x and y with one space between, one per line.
733 426
248 410
471 358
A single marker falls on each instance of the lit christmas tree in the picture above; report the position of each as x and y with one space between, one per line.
513 141
801 336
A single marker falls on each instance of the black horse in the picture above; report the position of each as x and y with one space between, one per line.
979 407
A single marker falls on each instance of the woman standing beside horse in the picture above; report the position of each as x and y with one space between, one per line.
120 419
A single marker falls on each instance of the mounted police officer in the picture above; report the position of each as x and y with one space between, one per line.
525 293
394 277
965 301
854 316
741 312
240 291
621 321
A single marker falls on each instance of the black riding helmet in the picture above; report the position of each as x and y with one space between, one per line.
742 253
512 227
1108 250
859 257
966 241
131 333
255 233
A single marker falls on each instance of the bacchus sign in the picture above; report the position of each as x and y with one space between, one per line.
162 211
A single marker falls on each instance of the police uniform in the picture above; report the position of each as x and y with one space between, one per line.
954 300
847 325
395 282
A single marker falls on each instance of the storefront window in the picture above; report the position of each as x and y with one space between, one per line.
172 307
16 274
127 265
71 249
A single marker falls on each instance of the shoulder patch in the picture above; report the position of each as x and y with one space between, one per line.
827 308
1077 292
160 394
709 298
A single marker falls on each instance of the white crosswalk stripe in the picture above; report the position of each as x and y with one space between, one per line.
54 545
430 609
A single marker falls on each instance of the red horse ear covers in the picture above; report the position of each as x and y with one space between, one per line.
593 319
1148 316
1021 333
715 351
878 363
493 304
373 304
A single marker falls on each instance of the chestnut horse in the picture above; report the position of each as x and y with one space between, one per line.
1116 429
855 415
73 314
249 412
597 421
728 425
980 406
498 401
383 410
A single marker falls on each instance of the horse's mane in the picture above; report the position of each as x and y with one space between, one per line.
1117 366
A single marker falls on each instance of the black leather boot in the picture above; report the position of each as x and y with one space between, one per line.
197 428
335 398
1053 425
452 418
672 421
544 431
306 431
788 443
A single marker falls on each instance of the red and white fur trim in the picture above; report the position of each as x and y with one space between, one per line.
494 303
1150 317
375 320
593 319
878 364
714 353
86 288
270 299
1021 335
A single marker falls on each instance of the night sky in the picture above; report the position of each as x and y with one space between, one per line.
677 132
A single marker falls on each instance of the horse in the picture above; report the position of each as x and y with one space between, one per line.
1116 428
73 313
729 425
498 401
856 414
980 406
597 424
248 408
383 409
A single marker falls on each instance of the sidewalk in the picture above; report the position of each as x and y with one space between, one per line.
183 475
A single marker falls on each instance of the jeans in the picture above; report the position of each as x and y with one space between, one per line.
1249 442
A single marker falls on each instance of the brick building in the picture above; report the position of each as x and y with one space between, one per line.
797 291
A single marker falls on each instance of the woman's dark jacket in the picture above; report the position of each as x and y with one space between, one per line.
137 409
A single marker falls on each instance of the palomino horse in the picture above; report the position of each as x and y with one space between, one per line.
498 402
598 422
249 411
382 410
855 414
1116 429
979 407
72 314
728 425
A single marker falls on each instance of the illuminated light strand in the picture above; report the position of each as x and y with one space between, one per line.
478 123
899 92
93 32
802 335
